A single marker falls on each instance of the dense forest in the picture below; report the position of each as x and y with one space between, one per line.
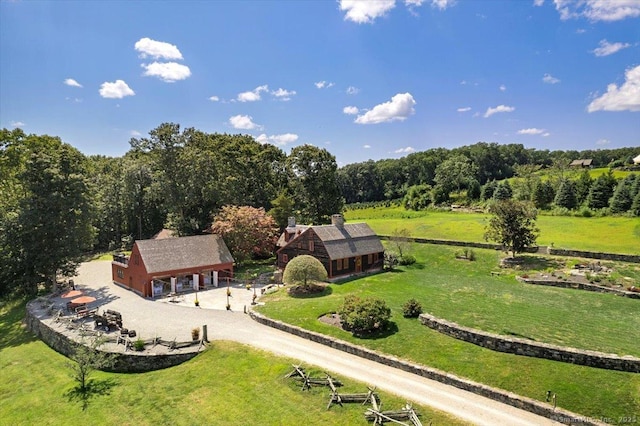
57 204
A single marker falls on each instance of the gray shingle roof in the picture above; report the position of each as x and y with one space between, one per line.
183 252
351 239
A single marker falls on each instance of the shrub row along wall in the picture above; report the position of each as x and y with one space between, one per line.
130 362
582 286
524 403
530 348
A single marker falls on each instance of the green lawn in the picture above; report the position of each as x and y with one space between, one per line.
608 234
466 293
229 384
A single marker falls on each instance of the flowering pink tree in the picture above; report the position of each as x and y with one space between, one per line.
247 231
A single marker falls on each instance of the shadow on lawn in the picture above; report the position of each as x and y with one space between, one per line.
391 329
12 332
93 389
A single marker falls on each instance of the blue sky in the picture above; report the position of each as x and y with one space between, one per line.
363 79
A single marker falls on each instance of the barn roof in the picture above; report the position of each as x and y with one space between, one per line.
171 254
583 162
348 240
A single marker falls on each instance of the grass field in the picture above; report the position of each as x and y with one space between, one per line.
229 384
607 234
466 293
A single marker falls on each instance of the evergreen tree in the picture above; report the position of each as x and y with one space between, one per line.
487 190
601 191
566 196
583 184
543 194
623 196
503 191
473 191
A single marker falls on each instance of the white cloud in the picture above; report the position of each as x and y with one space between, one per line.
538 2
169 72
404 150
278 140
283 94
598 10
135 133
499 108
603 142
366 146
399 108
581 31
464 109
546 134
365 12
607 48
244 122
549 79
17 124
531 131
116 90
323 84
214 98
442 4
502 87
71 82
623 98
350 110
252 95
74 100
351 90
157 49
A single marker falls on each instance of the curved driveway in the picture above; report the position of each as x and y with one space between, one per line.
175 320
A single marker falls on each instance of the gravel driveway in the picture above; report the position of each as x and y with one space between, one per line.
174 320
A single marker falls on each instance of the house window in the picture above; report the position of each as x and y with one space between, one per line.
370 259
120 273
311 245
339 264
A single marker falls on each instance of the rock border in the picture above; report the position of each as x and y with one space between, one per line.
526 347
580 286
510 398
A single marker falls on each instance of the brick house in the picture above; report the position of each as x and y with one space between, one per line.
343 248
158 267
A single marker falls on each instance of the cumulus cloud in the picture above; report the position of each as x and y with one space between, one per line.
214 98
366 146
464 109
607 48
538 2
116 90
399 108
531 131
157 49
623 98
499 108
71 82
135 133
365 12
441 4
252 95
502 87
323 84
549 79
169 72
598 10
546 134
244 122
351 90
283 94
404 150
350 110
17 124
278 140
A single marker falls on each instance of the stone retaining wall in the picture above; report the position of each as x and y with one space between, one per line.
633 258
531 348
581 286
129 362
524 403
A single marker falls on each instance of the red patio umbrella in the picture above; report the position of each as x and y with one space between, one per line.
71 293
83 299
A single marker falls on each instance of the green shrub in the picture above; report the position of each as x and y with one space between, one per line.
138 345
407 259
411 309
364 315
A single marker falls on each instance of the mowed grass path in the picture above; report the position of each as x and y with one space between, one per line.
466 293
229 384
606 234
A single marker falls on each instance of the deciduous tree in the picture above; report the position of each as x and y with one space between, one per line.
512 225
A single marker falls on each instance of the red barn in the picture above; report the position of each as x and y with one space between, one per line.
173 265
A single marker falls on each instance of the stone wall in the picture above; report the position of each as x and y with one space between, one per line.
457 243
530 348
129 362
524 403
581 286
633 258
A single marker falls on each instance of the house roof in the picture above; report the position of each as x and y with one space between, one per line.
293 231
637 159
348 240
171 254
584 162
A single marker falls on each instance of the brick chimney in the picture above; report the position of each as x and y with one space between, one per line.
337 220
292 222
